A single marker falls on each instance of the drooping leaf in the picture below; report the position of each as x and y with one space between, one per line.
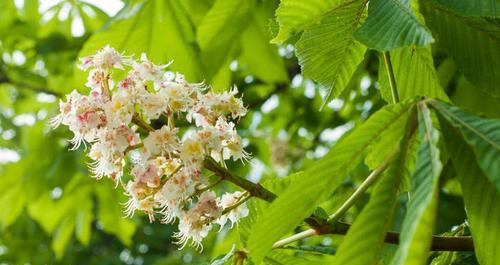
392 24
472 42
327 51
62 236
161 29
294 16
223 23
483 136
414 73
279 258
482 200
300 199
418 224
259 56
364 240
473 7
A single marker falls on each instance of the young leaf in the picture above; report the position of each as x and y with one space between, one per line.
472 42
392 24
294 16
364 240
418 224
300 199
482 200
483 136
414 73
328 52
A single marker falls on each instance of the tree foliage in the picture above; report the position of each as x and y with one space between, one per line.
319 78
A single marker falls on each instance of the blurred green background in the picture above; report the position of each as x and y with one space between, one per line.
53 212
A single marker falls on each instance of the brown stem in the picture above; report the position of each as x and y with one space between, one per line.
254 189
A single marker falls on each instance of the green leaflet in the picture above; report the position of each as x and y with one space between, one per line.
223 23
364 240
482 135
482 200
300 199
277 257
473 7
392 24
414 73
418 224
472 42
159 28
294 16
327 51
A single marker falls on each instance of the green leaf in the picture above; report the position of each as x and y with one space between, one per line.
482 200
469 98
419 221
110 214
223 23
300 199
392 24
472 42
473 7
294 16
62 236
483 136
161 29
328 52
13 201
414 73
84 217
364 240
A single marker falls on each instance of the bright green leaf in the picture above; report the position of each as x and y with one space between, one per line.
294 16
62 236
328 52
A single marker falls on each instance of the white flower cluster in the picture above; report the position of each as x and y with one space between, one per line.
167 168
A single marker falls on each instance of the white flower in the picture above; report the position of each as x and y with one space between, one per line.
152 105
192 152
137 201
163 141
228 200
192 228
105 59
147 70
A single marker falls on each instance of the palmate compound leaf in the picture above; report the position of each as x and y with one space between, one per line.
414 73
482 200
472 42
302 196
418 224
328 52
364 240
392 24
482 135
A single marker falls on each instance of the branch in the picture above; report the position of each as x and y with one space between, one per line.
439 243
20 85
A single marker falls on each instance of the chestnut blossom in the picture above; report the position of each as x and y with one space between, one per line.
164 178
